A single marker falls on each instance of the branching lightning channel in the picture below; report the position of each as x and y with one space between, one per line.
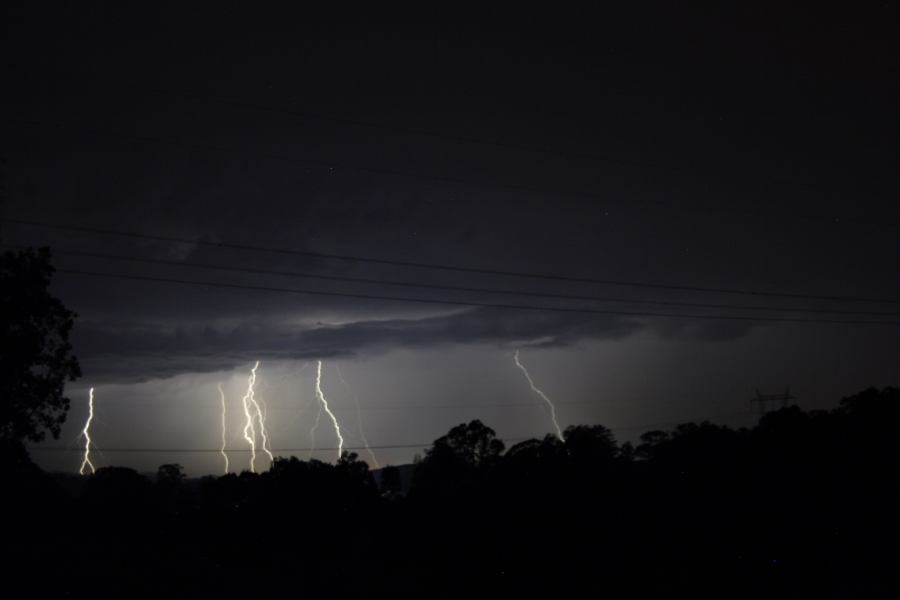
222 450
541 394
359 423
312 431
321 396
261 417
249 430
86 432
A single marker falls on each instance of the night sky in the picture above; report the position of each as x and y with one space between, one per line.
650 159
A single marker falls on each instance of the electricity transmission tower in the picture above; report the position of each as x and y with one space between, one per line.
769 402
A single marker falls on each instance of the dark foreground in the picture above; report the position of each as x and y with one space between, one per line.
806 502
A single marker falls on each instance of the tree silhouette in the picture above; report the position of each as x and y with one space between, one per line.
590 444
170 474
457 460
35 354
473 444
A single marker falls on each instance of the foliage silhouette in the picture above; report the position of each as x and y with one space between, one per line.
803 503
391 483
458 460
171 474
35 354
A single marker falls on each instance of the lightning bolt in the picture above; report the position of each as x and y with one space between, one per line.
249 430
541 394
222 451
321 397
87 437
253 412
359 424
312 431
261 416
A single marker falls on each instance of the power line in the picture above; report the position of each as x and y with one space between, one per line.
470 303
127 404
332 449
205 450
435 266
430 286
462 181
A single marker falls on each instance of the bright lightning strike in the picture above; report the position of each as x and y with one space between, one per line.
321 396
312 431
359 424
249 429
261 416
87 437
222 450
541 394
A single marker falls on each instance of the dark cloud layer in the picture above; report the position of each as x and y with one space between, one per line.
138 353
133 352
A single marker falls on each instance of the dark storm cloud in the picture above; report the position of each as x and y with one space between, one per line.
155 353
135 352
703 330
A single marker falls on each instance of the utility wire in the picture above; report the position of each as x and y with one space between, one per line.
469 303
434 266
375 447
203 450
127 404
430 286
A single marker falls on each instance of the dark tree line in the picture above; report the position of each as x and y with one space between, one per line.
805 502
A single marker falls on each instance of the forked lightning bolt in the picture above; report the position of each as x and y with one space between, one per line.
222 397
261 417
321 397
359 423
86 432
541 394
249 430
253 412
312 431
